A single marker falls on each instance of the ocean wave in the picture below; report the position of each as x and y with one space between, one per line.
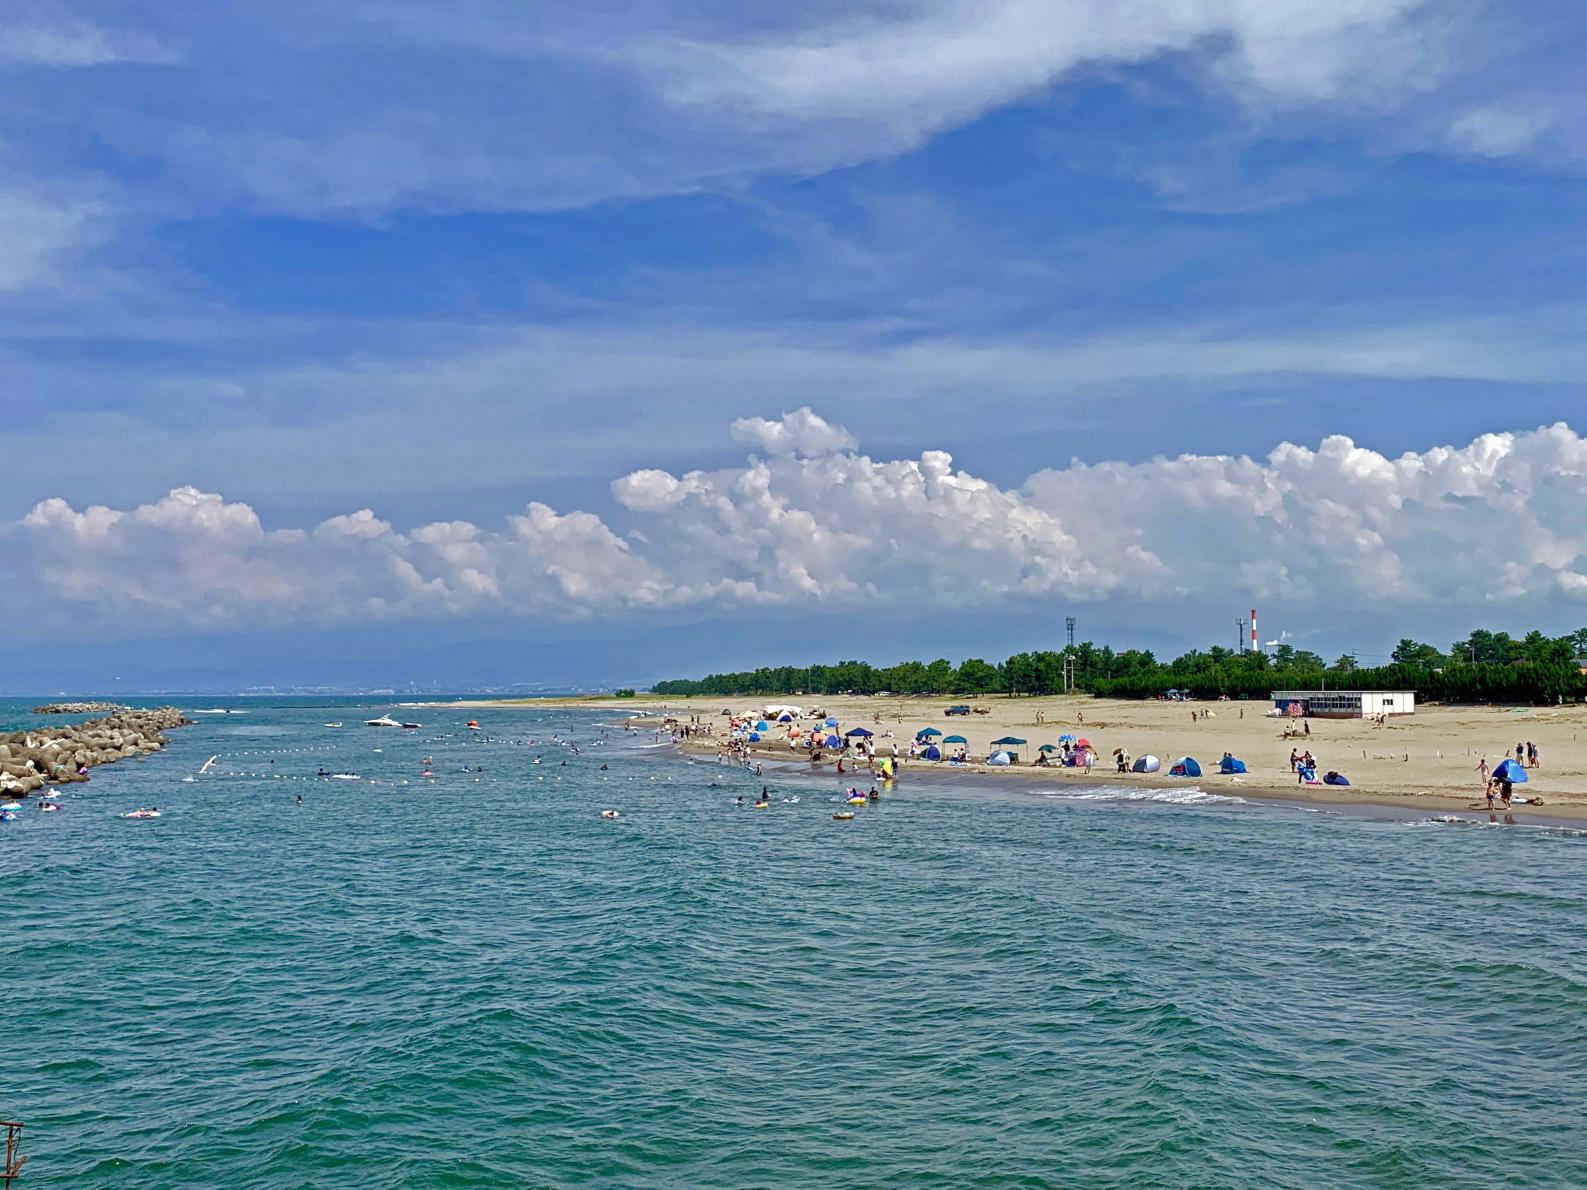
1189 796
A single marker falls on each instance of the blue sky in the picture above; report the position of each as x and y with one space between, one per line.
447 262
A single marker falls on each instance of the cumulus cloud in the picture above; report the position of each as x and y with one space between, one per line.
1500 519
801 432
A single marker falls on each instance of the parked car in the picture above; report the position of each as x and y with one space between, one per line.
960 709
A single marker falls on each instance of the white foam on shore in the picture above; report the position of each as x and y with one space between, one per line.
1190 796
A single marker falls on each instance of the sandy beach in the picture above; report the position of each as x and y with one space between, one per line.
1427 759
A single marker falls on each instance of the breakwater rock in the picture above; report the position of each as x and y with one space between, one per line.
81 708
29 760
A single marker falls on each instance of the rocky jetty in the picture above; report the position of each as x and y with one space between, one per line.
81 708
29 760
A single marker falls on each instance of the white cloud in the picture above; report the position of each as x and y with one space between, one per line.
40 231
1498 520
801 432
35 35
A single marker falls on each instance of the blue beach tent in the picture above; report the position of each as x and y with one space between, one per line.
859 731
760 725
933 753
1508 770
832 741
1231 764
998 758
754 736
1185 766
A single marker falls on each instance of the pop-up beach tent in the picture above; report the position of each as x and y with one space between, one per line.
1185 766
1508 770
999 759
1146 764
1231 764
933 753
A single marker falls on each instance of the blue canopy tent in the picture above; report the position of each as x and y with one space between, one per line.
1231 764
859 731
1185 766
1508 770
954 739
926 731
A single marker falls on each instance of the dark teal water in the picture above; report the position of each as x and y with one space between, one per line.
480 982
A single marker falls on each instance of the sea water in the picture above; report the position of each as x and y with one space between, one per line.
473 979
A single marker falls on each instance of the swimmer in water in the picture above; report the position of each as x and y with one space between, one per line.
300 799
739 801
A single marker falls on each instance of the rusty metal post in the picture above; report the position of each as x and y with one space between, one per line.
14 1158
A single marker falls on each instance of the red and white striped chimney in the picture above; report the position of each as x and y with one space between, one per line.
1254 647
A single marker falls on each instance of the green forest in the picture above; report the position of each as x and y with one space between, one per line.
1485 667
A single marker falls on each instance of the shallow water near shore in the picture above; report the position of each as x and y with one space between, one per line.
475 980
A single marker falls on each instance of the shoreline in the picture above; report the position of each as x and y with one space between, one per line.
1213 785
1421 762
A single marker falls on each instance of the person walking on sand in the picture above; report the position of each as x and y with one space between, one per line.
1482 771
1519 753
1294 759
1531 755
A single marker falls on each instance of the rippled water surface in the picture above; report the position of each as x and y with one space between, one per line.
474 980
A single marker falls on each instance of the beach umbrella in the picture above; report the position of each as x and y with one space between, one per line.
1083 743
1508 770
925 731
954 739
1008 739
1048 748
830 722
1066 738
859 731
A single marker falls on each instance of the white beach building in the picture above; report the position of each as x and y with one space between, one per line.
1344 704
